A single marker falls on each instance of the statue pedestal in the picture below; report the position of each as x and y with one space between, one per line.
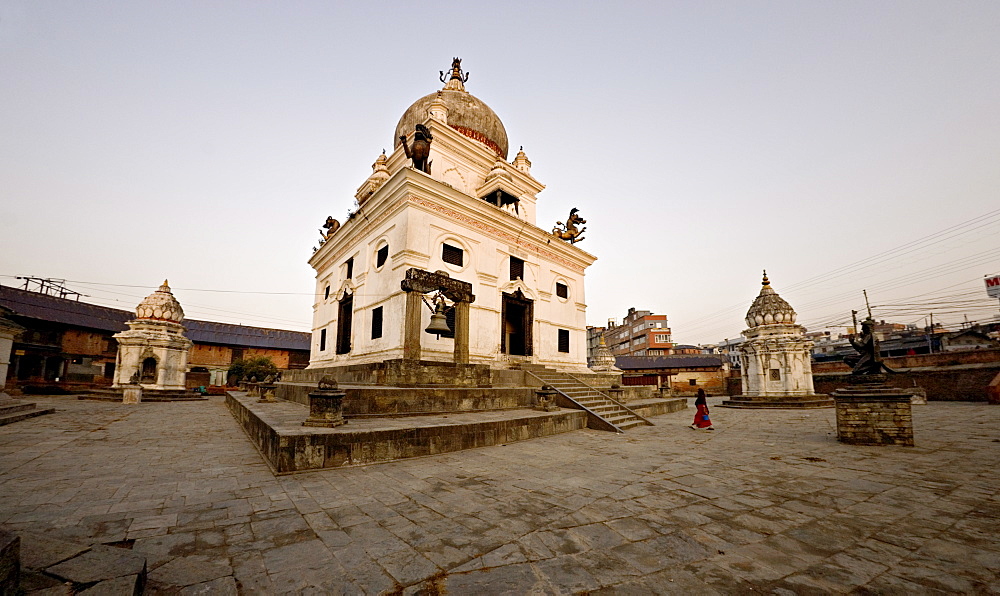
131 394
869 412
326 408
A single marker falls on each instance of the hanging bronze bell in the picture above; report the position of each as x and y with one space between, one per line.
439 323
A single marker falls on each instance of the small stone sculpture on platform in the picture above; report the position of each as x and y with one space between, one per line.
421 149
546 399
267 390
326 405
569 230
867 361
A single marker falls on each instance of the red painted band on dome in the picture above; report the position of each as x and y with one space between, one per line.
478 136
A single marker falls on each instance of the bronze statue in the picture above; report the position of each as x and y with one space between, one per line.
456 71
421 148
569 230
868 361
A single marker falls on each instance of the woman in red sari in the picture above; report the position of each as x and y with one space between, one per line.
701 419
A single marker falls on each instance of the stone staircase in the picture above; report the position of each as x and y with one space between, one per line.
604 412
15 410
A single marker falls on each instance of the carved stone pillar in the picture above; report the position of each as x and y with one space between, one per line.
411 326
461 332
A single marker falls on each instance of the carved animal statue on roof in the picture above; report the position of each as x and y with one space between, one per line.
569 230
331 226
421 149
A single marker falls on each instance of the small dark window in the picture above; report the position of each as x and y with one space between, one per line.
350 268
692 382
452 254
516 268
322 340
564 340
562 290
775 374
377 323
326 293
381 256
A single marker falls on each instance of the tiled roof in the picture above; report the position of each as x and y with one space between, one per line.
670 361
33 305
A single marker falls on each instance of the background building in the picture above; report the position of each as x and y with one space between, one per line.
641 333
67 342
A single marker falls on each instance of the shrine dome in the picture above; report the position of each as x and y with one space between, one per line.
160 306
466 113
769 308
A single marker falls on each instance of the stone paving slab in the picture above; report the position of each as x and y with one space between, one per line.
769 502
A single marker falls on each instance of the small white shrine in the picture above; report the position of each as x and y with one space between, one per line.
154 352
445 225
775 359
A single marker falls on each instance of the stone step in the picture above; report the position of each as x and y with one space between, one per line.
16 406
11 418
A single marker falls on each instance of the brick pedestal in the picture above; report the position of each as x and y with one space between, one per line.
871 413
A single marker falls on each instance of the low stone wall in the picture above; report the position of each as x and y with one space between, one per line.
958 383
658 407
876 418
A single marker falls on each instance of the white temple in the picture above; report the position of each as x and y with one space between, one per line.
775 360
462 227
154 349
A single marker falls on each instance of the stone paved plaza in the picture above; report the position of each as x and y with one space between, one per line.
768 503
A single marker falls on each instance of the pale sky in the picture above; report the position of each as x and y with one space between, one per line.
206 142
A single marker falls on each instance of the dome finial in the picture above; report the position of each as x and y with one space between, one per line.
457 80
765 282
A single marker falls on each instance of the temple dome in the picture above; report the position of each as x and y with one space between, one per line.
466 113
160 306
769 308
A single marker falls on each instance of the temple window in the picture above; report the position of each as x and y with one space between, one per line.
452 254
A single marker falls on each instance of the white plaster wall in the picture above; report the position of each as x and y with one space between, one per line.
6 343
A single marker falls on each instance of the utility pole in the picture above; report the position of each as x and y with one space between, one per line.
930 338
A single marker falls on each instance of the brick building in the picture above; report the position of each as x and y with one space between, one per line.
641 333
71 343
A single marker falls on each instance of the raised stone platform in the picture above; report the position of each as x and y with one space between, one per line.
368 400
792 403
287 446
147 395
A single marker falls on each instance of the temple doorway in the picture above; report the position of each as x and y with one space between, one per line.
516 318
345 318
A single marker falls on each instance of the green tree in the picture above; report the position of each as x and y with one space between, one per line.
248 368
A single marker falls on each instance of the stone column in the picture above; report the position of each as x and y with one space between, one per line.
461 332
411 326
